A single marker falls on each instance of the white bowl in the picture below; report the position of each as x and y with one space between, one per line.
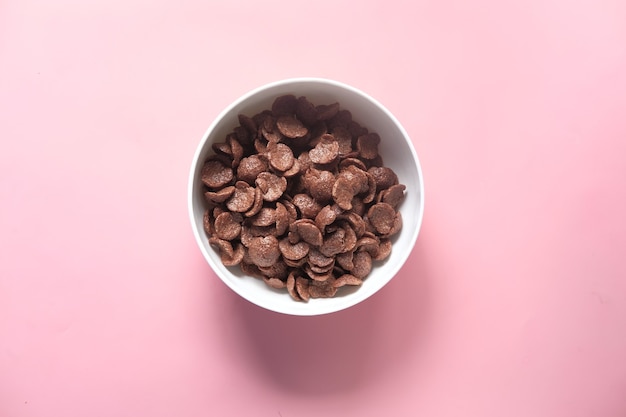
397 152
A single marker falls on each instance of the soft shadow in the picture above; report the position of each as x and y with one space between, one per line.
340 352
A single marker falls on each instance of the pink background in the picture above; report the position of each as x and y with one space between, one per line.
513 302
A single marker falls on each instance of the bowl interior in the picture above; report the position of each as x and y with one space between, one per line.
396 150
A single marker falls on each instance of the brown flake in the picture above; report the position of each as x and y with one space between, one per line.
345 260
216 174
382 217
265 217
250 167
305 111
263 251
326 151
248 123
271 185
362 264
384 177
257 205
242 198
393 195
384 250
282 218
293 252
322 291
284 105
228 225
326 111
326 216
308 231
347 279
307 205
367 145
275 283
302 288
291 127
291 287
280 156
220 195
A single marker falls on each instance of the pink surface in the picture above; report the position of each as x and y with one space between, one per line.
513 302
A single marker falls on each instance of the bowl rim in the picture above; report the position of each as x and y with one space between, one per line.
253 92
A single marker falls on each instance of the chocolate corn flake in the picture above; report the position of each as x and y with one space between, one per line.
334 243
273 136
352 161
280 156
247 123
350 239
326 111
371 188
341 119
291 127
216 174
291 209
264 251
383 176
320 184
345 260
242 198
317 258
294 170
276 270
362 264
275 283
228 255
393 195
295 264
347 279
368 244
293 252
265 217
344 140
396 227
242 135
207 222
221 195
228 225
382 217
343 192
236 151
260 145
356 222
307 205
291 287
384 250
282 218
322 270
302 288
284 105
257 205
326 150
308 231
317 276
367 145
326 216
322 291
272 186
222 148
305 111
250 269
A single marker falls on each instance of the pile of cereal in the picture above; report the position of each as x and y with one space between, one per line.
298 196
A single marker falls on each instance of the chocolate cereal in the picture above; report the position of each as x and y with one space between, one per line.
297 195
